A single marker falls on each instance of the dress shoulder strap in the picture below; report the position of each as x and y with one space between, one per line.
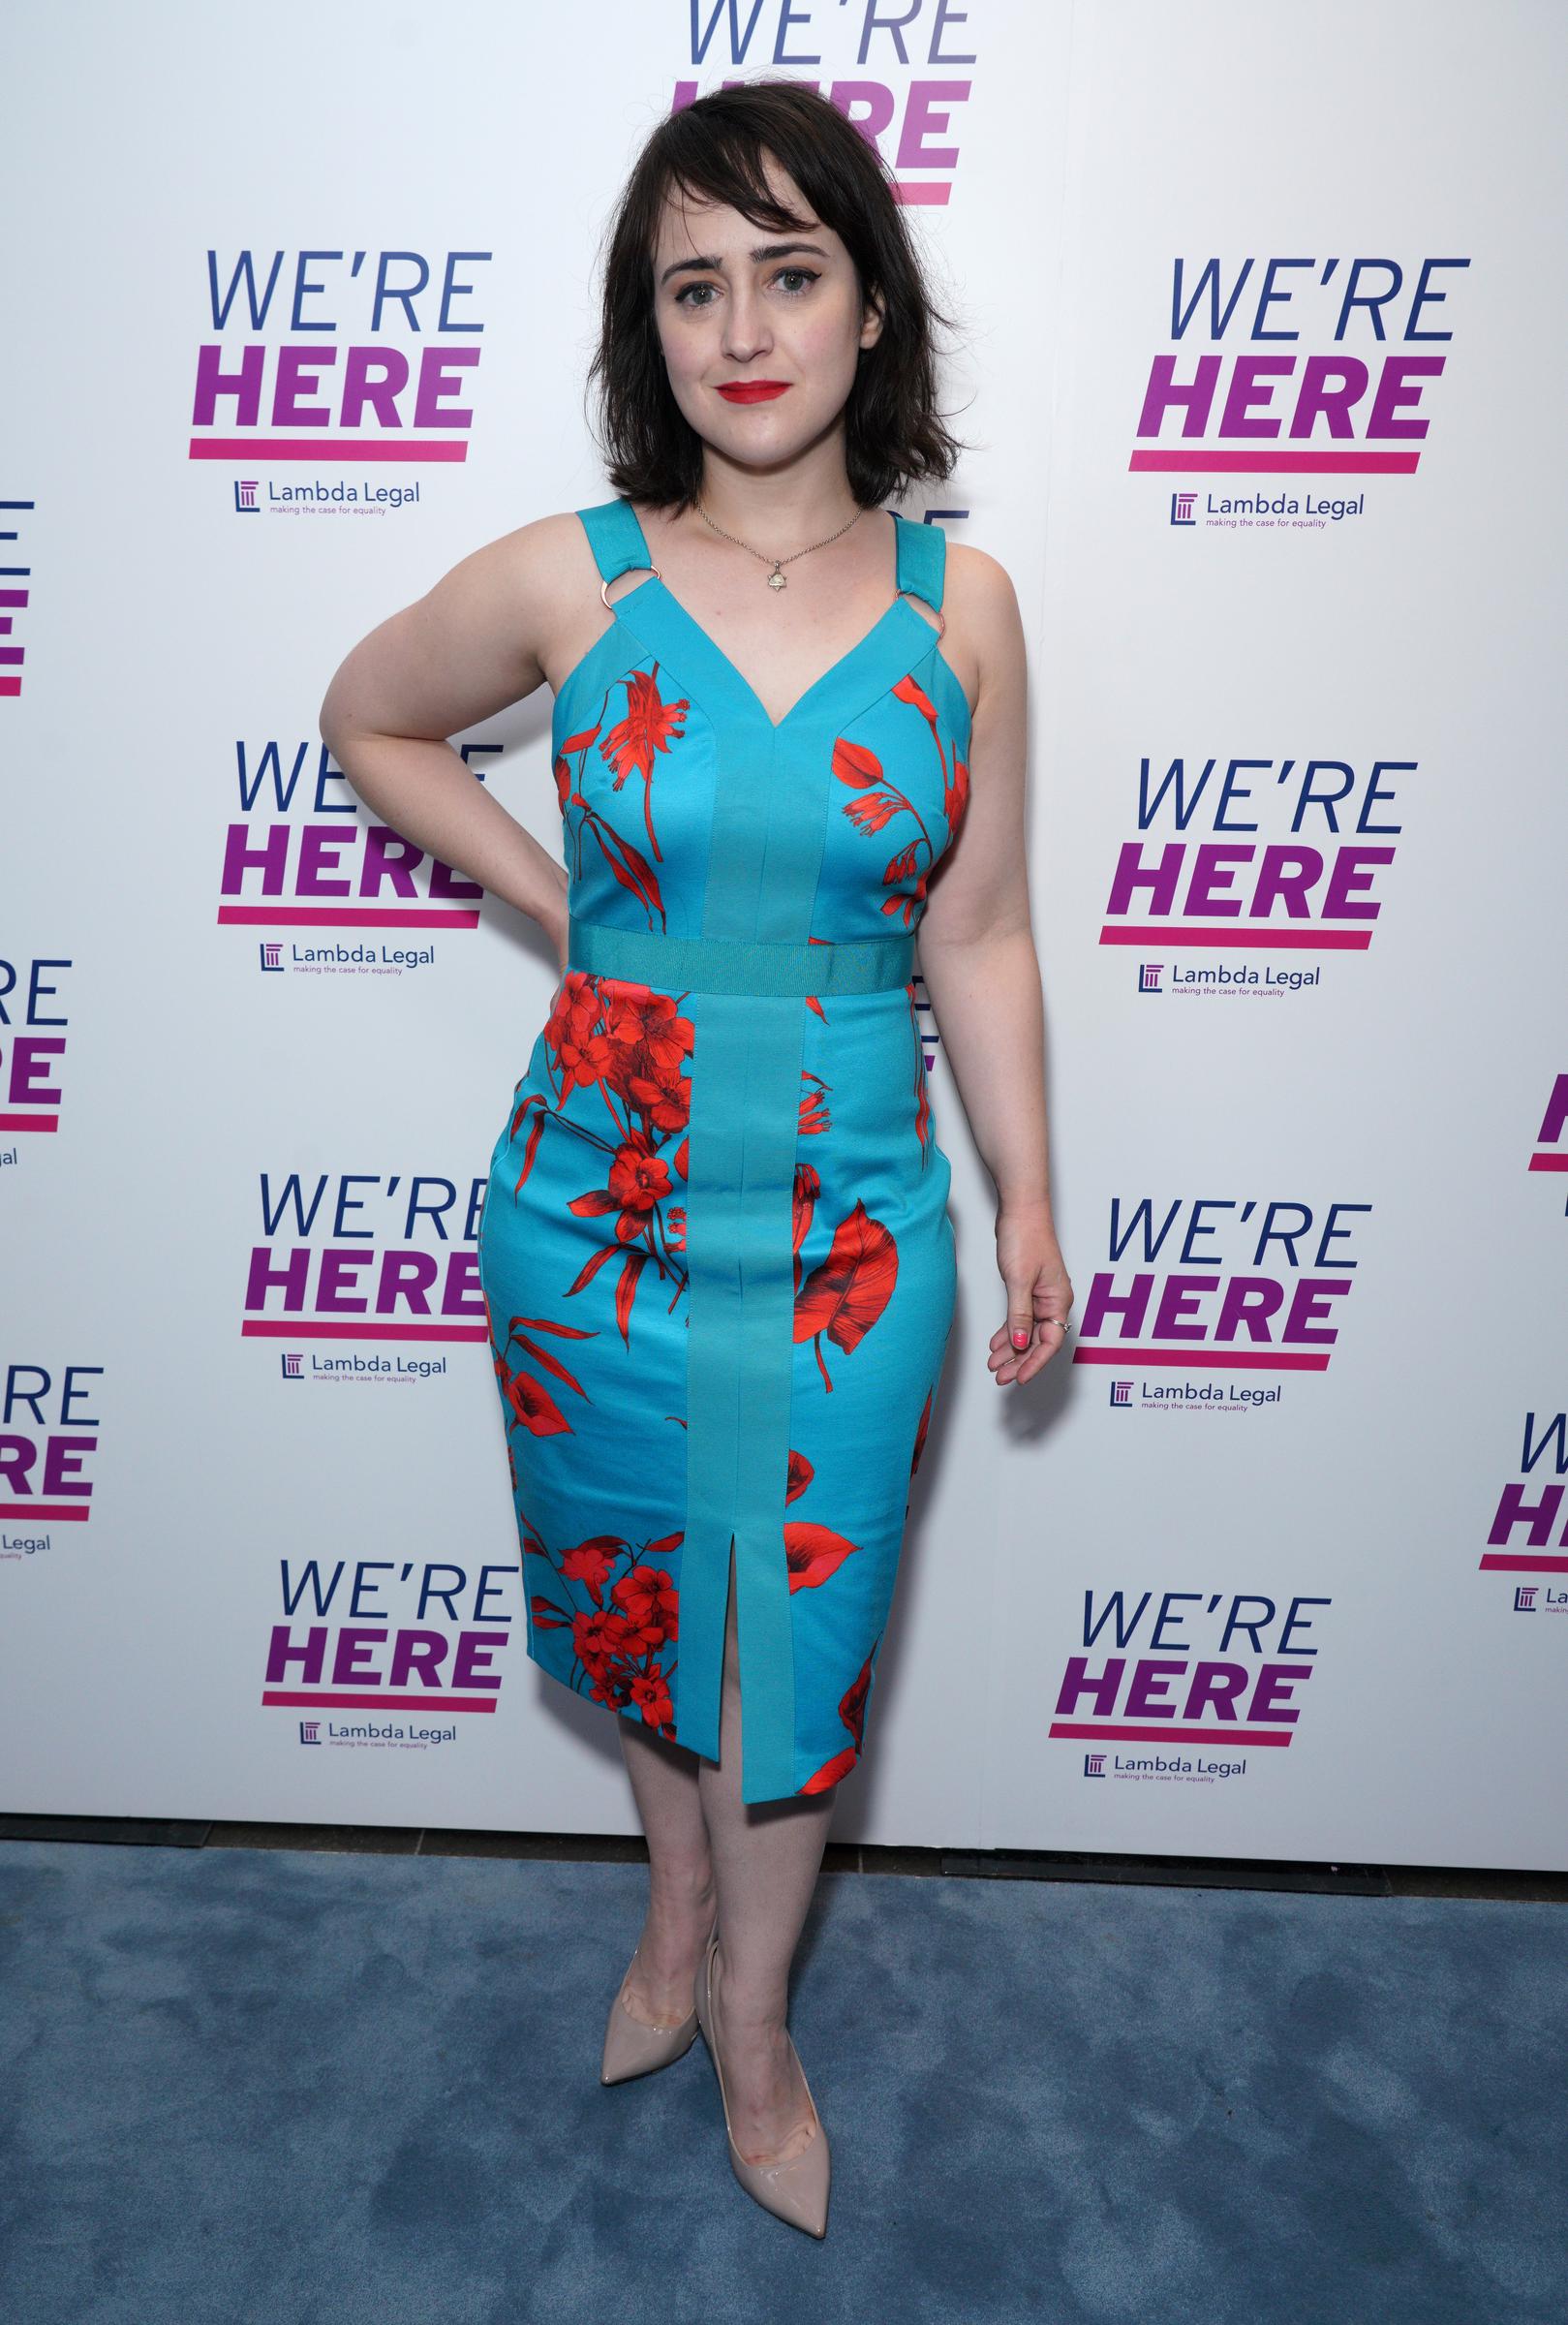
922 560
615 537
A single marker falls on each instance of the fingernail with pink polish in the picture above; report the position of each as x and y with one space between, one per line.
1020 1340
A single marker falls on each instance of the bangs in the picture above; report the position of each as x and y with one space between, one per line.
716 151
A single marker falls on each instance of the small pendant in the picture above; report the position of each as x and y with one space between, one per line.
776 580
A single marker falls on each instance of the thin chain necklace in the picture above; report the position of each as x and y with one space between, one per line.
776 580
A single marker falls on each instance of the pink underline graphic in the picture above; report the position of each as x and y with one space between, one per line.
1523 1561
346 916
1260 1360
334 1699
1132 1731
326 447
1547 1161
65 1514
1220 936
1215 463
312 1327
29 1121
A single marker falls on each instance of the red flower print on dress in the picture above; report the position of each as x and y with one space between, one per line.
620 1651
845 1294
640 1181
807 1187
955 779
853 1712
649 727
590 1561
813 1552
648 1600
629 866
633 1047
650 1691
956 797
528 1402
650 1043
880 801
852 1704
814 1117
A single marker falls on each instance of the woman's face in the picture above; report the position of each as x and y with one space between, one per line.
737 302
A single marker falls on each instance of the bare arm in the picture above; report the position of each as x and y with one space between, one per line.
467 649
976 951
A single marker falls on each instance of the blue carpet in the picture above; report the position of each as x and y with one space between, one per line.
253 2087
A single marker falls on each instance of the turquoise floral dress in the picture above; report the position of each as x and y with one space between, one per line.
716 1258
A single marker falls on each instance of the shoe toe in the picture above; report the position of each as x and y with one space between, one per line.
797 2190
631 2048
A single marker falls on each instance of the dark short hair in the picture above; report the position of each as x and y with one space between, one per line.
713 149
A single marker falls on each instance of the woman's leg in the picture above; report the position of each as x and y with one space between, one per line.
766 1858
680 1891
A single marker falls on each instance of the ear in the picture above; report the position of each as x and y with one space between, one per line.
871 330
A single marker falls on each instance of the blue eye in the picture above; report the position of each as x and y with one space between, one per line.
805 274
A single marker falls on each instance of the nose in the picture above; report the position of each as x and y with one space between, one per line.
745 325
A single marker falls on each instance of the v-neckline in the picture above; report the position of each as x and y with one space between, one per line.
688 620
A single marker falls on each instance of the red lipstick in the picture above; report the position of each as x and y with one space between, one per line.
753 391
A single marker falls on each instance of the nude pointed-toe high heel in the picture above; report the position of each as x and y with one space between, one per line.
631 2048
797 2190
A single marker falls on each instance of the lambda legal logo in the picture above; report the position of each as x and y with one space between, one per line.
1094 1763
1524 1598
1121 1392
291 1364
310 1731
246 503
1149 974
1182 505
270 950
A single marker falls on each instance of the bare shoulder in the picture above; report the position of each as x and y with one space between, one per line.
985 628
522 592
482 635
979 588
528 569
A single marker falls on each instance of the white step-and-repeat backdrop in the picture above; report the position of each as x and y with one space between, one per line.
1261 362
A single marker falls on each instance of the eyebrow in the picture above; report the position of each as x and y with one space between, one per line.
760 252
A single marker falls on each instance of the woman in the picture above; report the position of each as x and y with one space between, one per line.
716 1258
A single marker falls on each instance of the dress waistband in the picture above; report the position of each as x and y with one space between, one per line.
730 965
